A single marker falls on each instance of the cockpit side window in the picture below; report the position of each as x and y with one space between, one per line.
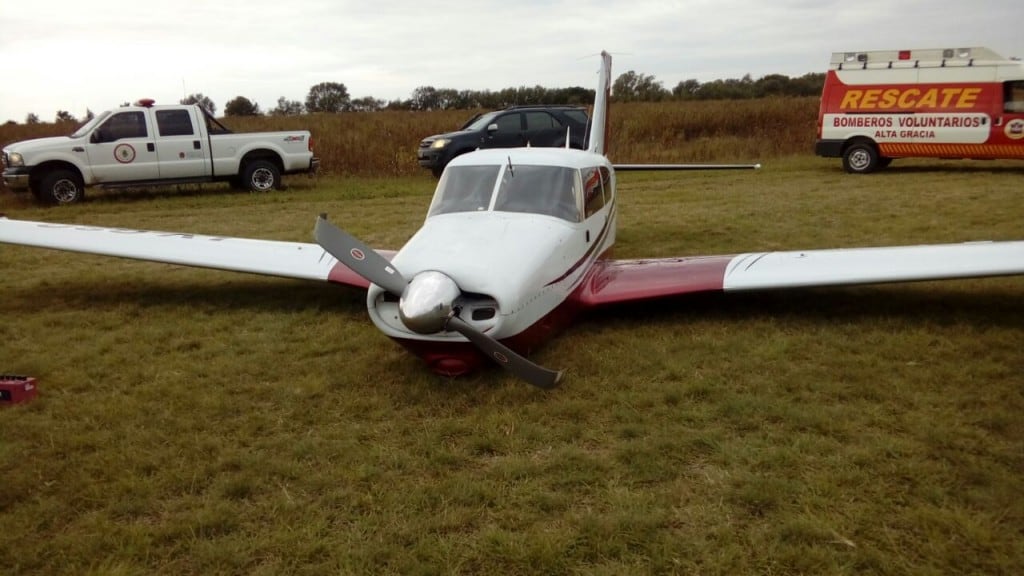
464 189
593 195
608 183
550 190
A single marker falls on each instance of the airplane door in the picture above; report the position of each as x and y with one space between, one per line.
597 199
506 132
122 149
180 149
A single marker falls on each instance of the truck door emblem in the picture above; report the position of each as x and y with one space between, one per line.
124 153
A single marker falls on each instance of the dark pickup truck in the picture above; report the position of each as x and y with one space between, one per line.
538 125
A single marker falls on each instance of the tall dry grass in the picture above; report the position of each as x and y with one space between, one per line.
384 143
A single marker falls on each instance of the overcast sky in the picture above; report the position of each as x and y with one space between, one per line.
96 54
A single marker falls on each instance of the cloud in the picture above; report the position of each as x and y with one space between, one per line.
77 55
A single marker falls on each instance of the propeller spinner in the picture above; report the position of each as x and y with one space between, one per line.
427 303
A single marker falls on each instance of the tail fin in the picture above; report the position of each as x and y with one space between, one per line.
599 117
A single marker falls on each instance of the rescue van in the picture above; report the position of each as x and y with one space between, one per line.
937 103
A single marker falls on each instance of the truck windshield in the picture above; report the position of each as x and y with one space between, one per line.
88 126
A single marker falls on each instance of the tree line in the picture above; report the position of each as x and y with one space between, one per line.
333 97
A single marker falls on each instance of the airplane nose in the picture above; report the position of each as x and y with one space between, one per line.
426 303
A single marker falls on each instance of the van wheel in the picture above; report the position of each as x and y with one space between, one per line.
261 176
61 187
860 158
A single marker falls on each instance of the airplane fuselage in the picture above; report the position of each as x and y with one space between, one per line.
524 229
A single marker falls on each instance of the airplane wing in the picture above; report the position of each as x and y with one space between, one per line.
268 257
613 281
683 167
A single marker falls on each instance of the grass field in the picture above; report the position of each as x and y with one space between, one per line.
203 422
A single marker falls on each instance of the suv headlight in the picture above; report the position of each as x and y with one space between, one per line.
440 143
15 159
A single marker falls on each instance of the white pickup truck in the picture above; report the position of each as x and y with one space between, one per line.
144 145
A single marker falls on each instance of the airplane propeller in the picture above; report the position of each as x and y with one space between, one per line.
427 302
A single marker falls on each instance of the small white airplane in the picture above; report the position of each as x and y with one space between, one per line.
514 245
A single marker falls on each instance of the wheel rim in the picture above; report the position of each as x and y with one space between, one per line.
65 191
860 159
262 179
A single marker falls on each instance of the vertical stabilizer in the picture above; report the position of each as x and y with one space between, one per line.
599 117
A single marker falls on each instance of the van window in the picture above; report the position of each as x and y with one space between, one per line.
1014 96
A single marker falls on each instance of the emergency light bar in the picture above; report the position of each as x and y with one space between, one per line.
917 57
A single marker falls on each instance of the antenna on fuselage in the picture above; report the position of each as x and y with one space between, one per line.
511 172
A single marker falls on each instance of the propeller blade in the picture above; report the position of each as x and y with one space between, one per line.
535 374
362 259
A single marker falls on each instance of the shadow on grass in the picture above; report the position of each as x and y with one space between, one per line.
952 167
187 190
255 294
996 306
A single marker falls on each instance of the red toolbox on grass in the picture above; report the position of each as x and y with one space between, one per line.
16 389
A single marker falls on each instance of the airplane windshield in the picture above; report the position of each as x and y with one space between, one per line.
464 189
550 190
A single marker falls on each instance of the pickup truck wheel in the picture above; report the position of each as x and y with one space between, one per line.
61 187
261 176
